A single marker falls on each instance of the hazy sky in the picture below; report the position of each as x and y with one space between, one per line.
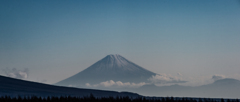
56 39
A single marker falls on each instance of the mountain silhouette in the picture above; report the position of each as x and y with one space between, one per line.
227 81
223 88
112 67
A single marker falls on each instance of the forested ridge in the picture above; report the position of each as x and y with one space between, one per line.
91 98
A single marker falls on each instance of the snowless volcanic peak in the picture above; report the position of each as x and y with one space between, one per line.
112 67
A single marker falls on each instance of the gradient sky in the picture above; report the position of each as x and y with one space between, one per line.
56 39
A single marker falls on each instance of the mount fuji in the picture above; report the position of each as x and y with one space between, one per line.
112 67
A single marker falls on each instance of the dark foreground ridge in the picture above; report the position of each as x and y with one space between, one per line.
15 87
91 98
15 90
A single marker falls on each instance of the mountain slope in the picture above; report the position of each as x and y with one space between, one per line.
112 67
15 87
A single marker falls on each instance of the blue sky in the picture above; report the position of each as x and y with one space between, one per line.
56 39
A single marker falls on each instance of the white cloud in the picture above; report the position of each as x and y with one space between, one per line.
88 85
218 77
165 79
23 75
112 83
15 73
108 83
179 74
71 86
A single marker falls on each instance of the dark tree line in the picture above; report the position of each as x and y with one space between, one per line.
91 98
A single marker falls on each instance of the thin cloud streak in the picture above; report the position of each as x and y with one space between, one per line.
166 79
112 83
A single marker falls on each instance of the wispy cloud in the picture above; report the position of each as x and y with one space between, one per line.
179 74
165 79
16 73
218 77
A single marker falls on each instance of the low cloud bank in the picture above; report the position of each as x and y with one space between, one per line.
16 73
112 83
166 79
160 79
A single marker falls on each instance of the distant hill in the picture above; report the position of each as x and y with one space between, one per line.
15 87
224 88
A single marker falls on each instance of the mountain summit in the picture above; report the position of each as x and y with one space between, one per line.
112 67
